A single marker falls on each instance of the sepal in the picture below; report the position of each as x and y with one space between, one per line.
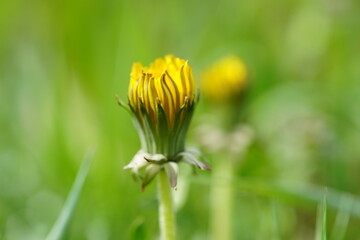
172 171
192 157
146 166
138 161
150 172
122 104
156 158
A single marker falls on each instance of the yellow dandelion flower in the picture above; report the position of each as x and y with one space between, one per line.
162 100
168 82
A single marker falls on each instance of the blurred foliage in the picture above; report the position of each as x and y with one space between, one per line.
62 62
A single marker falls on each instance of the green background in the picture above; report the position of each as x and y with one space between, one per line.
62 63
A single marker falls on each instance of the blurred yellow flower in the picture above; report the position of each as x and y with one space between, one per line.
167 82
225 79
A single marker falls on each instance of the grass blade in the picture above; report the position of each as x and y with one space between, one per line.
60 226
342 218
321 220
297 194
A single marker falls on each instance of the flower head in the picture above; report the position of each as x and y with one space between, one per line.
168 83
225 79
162 100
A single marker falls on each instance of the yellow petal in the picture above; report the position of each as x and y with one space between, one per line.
168 81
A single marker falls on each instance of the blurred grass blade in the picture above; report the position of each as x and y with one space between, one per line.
58 229
321 220
137 229
342 218
297 194
324 219
275 221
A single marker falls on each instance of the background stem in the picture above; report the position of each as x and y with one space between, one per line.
166 209
222 200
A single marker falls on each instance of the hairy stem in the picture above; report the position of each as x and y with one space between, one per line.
166 209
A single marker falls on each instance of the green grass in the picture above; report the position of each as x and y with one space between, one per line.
321 222
59 228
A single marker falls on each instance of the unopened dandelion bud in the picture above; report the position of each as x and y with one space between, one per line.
161 100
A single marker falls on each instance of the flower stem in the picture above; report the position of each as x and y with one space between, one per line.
222 200
166 209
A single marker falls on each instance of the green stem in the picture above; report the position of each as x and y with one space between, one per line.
222 200
166 209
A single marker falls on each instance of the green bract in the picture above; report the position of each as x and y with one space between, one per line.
161 147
